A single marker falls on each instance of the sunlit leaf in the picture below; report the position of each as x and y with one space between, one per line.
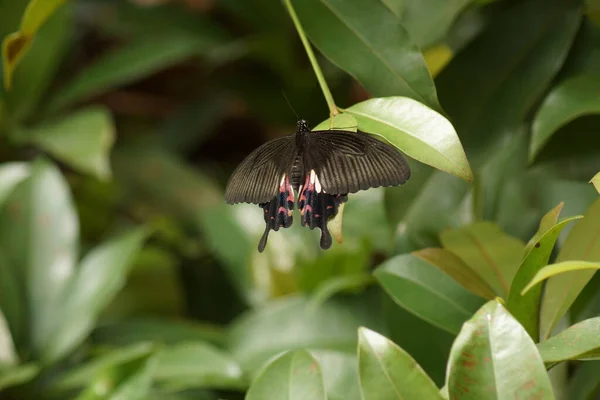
458 270
418 131
580 342
83 140
583 244
596 181
390 64
569 100
388 372
102 273
197 365
560 268
340 374
437 57
293 376
493 357
491 253
525 308
290 324
39 235
425 291
8 354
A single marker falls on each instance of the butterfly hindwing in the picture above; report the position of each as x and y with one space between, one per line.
257 179
346 162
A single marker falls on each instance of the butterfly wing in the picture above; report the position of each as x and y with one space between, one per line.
346 162
256 180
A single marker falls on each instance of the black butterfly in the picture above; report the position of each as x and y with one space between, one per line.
322 166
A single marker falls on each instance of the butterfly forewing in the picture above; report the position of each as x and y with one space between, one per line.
256 180
347 162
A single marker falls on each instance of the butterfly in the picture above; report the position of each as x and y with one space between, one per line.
323 167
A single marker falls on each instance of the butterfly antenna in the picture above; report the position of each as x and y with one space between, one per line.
290 104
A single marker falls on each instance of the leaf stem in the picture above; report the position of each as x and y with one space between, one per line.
333 110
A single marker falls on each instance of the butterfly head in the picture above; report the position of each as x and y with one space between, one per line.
302 126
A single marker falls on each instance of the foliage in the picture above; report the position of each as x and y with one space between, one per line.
124 275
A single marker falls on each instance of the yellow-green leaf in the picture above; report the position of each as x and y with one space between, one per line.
560 268
596 181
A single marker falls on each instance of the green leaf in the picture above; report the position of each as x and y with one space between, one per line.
525 308
491 253
8 354
569 100
84 373
418 131
344 283
340 373
428 21
293 376
395 6
585 382
492 85
39 66
428 293
579 342
560 268
163 330
17 375
364 38
447 262
18 43
582 243
596 181
11 174
388 372
39 236
83 140
102 273
290 324
197 365
493 357
130 380
131 62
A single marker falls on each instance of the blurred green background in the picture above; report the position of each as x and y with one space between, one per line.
125 119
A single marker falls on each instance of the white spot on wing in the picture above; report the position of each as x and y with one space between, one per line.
317 184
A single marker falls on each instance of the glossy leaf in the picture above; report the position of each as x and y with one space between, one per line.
364 38
197 365
423 290
579 342
456 268
560 292
290 324
560 268
428 21
8 354
491 86
491 253
134 61
596 181
493 357
418 131
388 372
293 376
17 375
102 273
82 140
525 308
569 100
340 374
39 234
18 43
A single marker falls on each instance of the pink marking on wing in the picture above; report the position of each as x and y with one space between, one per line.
282 210
308 208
